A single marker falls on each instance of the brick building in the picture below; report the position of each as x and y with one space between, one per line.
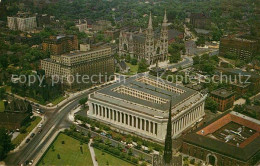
14 115
60 44
200 20
251 78
224 98
230 139
244 49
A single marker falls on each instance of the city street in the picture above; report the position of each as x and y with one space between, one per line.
54 120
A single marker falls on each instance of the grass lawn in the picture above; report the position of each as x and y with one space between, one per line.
133 69
58 100
69 152
112 161
21 137
2 106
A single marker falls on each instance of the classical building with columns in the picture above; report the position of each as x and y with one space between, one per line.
140 105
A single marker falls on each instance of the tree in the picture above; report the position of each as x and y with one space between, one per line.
2 93
83 101
5 143
142 66
29 108
134 61
200 41
196 60
128 58
175 57
211 105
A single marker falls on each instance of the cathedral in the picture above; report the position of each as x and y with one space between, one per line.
149 45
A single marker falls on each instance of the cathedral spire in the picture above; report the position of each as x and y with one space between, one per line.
150 24
165 17
140 30
131 36
167 156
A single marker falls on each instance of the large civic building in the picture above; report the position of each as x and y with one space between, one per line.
22 22
149 45
230 139
140 105
82 63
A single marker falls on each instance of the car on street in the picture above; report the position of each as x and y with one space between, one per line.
32 135
27 140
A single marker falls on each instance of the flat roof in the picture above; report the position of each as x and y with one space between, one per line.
244 143
222 93
109 94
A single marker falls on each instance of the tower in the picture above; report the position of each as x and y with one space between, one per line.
131 45
164 36
149 42
167 156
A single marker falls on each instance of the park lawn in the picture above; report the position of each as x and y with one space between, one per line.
112 161
2 106
133 69
69 152
58 100
21 137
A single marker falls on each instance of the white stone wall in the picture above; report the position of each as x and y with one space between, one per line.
149 127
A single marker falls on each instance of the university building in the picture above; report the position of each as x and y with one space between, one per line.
140 105
149 45
22 22
85 64
230 139
60 44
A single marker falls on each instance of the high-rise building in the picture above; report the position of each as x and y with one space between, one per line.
22 22
148 45
77 69
244 49
60 44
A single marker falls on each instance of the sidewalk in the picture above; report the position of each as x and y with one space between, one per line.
92 153
29 135
71 97
39 155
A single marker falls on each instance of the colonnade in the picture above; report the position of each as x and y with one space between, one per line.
187 119
124 119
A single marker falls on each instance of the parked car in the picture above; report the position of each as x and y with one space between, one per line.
27 140
40 131
32 135
102 133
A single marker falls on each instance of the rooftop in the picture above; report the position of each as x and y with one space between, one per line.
232 134
145 93
222 93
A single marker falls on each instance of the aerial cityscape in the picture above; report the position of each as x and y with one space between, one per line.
130 82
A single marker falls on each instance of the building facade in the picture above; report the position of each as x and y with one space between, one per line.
147 45
80 65
60 44
141 105
200 20
82 25
22 22
224 98
244 49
